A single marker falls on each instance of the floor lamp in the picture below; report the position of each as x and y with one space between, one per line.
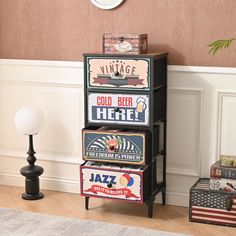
29 121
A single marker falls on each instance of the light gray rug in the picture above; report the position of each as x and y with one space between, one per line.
18 223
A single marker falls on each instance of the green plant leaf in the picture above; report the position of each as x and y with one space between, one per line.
218 45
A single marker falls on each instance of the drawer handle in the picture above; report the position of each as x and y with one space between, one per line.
229 203
116 73
117 109
121 39
111 148
109 185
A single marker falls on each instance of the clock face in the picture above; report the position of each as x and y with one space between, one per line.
107 4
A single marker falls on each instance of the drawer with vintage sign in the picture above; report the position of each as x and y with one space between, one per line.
116 145
128 183
122 72
124 109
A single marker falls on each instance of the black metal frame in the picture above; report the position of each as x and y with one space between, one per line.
158 72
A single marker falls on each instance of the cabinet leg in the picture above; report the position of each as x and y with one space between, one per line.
86 203
150 203
164 196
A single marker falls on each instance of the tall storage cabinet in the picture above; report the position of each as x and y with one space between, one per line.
124 139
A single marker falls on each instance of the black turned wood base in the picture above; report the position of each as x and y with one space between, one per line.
32 196
31 173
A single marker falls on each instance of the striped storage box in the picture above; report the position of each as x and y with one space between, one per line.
211 206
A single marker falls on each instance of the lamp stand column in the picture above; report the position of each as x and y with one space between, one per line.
31 173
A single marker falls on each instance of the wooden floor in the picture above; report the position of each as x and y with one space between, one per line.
166 218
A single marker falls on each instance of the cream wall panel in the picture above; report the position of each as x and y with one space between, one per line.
183 131
63 111
59 176
211 81
226 123
56 88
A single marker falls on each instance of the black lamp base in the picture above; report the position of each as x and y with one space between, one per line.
36 196
31 173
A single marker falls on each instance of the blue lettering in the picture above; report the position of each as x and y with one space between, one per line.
98 178
106 179
113 179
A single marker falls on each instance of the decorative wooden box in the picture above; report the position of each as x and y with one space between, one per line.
211 206
218 171
222 184
125 123
115 182
228 161
125 43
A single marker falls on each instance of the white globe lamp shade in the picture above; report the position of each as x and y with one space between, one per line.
29 120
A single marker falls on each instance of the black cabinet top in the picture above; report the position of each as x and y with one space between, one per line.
154 55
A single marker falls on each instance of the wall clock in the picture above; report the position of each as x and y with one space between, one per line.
107 4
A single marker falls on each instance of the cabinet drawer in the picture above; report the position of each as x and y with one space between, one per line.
124 109
118 73
112 181
106 145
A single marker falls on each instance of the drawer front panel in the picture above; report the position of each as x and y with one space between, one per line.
127 148
126 109
118 73
112 184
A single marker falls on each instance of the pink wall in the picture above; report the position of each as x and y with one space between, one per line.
64 29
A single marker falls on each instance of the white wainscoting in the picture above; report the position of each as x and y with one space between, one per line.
201 122
56 88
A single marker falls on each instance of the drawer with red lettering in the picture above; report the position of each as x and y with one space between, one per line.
124 109
124 72
115 182
117 145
